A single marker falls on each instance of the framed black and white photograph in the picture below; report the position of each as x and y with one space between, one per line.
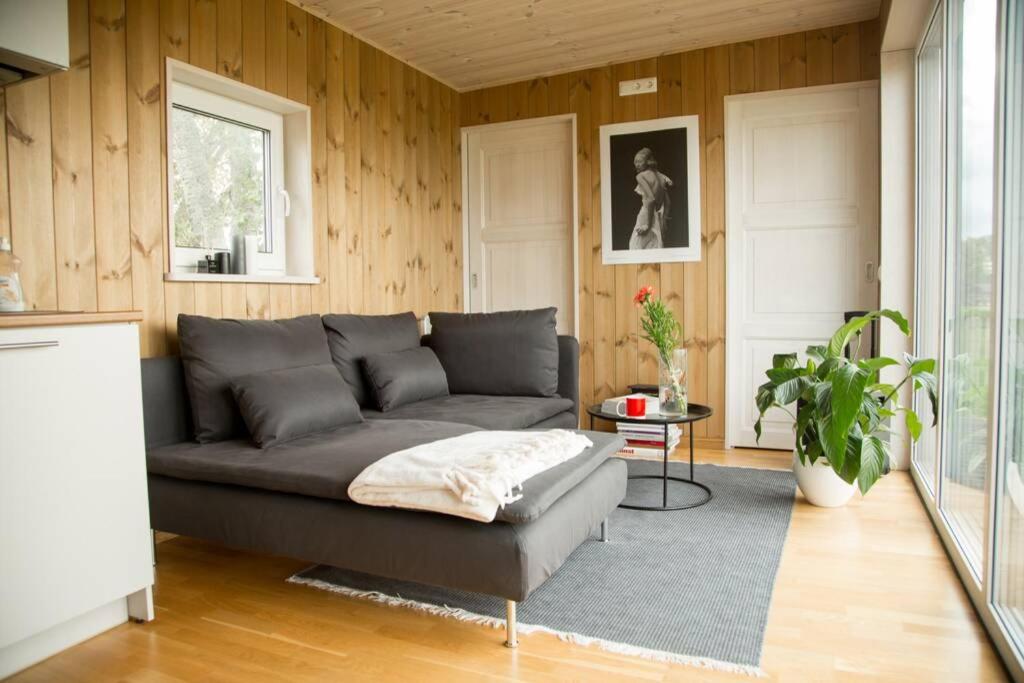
650 191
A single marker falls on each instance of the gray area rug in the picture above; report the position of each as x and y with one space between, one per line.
691 586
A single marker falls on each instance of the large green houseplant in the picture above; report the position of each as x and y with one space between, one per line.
842 409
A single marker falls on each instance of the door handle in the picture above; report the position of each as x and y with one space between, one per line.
287 201
870 271
473 280
29 345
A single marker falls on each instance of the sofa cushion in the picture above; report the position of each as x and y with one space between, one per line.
401 377
214 352
281 405
487 412
353 337
323 465
512 353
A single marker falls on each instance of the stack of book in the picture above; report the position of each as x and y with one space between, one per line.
647 440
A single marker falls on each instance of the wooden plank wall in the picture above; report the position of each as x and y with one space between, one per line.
693 82
83 165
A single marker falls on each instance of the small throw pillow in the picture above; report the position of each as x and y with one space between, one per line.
403 377
353 337
214 352
282 405
512 353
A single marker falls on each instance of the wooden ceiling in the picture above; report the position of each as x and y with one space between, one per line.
471 44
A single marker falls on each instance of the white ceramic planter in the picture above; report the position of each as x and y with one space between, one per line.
820 485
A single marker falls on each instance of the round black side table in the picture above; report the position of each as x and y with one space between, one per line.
694 413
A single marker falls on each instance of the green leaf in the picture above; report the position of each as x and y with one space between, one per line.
924 365
789 391
848 384
843 335
871 412
765 397
836 419
914 425
784 360
757 431
851 462
881 388
818 353
831 441
872 364
930 384
827 366
872 462
780 375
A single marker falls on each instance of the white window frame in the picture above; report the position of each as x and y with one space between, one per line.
204 102
291 177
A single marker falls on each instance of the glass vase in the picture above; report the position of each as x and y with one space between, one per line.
672 382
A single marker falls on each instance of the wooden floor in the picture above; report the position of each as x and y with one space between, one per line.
864 592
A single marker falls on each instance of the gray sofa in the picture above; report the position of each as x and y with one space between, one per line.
292 500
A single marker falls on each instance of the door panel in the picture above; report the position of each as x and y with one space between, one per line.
802 227
520 214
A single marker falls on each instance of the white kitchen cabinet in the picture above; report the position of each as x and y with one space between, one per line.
75 544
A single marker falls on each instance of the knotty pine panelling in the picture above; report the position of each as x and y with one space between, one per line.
83 165
695 82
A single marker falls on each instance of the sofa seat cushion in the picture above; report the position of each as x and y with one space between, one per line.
323 465
488 412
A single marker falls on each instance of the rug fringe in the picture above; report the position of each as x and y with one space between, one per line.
460 614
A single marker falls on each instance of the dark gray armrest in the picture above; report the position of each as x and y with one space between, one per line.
166 414
569 371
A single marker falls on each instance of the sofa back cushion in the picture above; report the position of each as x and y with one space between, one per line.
401 377
281 405
214 352
352 338
512 353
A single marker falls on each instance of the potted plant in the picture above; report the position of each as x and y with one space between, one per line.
843 410
663 330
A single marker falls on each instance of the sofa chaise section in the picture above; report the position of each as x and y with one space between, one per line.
292 499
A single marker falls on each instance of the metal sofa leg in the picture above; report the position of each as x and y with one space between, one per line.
511 627
604 531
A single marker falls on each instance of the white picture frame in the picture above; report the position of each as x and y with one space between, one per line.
639 221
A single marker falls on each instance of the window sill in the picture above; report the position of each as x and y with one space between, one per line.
267 279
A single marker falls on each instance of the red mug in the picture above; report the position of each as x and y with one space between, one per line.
636 406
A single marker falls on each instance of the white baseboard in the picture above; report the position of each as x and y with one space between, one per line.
34 649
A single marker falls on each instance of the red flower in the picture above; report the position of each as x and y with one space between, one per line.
644 295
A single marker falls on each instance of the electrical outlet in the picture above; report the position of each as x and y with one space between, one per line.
639 86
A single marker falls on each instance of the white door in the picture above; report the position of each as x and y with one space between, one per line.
802 233
520 218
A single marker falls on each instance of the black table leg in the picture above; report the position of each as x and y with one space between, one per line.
664 470
691 452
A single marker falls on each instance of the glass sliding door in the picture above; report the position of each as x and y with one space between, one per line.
967 349
970 300
930 228
1008 550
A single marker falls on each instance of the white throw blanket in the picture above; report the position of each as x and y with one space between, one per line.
469 476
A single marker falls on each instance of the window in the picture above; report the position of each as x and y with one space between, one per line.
226 158
1008 564
967 355
238 173
970 284
930 224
